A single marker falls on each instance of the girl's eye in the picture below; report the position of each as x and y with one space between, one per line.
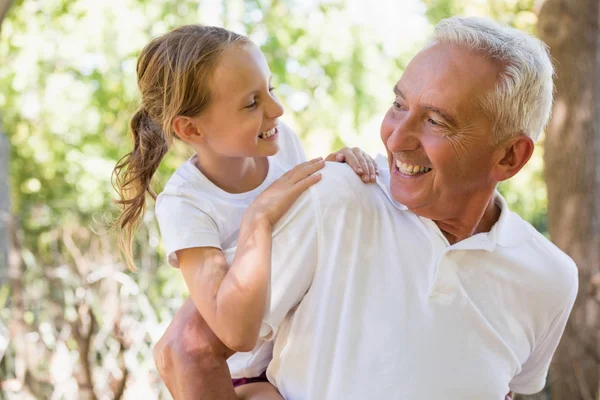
251 105
271 88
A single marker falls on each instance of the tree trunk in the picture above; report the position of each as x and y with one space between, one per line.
4 6
572 169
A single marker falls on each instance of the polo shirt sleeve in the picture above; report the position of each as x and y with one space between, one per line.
293 261
532 377
184 225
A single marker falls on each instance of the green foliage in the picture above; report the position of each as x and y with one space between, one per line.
517 13
440 9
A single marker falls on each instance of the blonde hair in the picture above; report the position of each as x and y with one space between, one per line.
522 100
173 72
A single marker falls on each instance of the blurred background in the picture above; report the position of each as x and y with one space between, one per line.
75 324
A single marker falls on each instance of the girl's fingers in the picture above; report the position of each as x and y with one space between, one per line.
305 183
372 167
354 163
305 169
361 158
337 157
311 168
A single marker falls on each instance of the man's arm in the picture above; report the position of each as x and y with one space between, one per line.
191 360
534 371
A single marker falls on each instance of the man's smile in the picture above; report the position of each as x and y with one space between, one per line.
411 169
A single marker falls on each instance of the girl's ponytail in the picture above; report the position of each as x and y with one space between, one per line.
133 176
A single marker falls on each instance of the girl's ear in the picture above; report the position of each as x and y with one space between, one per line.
185 128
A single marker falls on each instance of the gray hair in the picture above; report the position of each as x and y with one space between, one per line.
522 99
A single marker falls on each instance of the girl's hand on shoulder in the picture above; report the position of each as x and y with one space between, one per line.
358 160
271 204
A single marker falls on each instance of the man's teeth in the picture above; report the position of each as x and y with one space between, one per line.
408 169
268 133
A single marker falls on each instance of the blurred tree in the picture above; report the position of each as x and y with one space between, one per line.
440 9
4 6
4 188
4 205
572 168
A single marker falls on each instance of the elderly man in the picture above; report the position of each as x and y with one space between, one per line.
425 286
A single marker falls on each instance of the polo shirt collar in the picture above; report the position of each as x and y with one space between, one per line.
510 230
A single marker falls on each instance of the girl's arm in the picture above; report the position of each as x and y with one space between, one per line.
233 299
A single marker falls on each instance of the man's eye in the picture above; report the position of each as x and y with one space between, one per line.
433 122
398 106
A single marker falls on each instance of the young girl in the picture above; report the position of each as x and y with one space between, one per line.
211 88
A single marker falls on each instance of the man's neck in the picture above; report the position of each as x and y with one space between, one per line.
475 219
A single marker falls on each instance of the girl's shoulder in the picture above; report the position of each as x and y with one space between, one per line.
187 185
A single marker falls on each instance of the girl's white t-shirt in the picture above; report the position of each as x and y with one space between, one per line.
194 212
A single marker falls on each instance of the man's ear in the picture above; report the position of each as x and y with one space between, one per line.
516 151
185 128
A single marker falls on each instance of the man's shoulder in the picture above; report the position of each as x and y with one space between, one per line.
343 190
558 262
340 191
556 271
335 173
338 184
341 182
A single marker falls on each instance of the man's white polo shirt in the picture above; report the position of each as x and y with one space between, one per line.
384 308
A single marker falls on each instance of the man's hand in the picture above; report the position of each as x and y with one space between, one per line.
191 360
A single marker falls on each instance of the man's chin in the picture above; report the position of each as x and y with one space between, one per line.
407 199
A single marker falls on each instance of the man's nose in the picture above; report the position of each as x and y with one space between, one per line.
405 135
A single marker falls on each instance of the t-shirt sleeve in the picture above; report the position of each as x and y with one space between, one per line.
294 261
291 151
183 225
532 377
